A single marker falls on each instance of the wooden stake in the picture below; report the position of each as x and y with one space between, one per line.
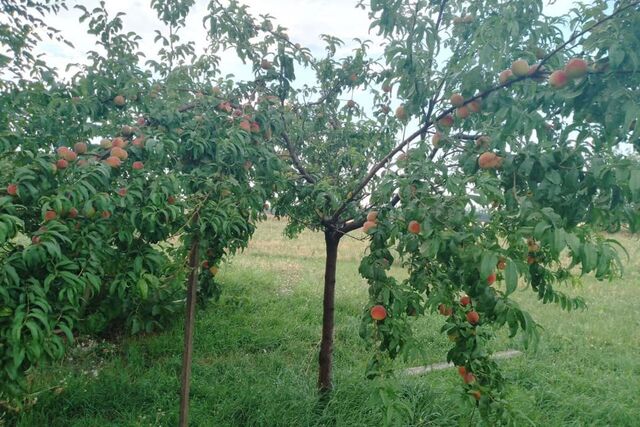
192 287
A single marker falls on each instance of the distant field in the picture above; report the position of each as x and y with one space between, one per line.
255 356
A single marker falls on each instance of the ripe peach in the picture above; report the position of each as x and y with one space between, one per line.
245 125
126 130
476 394
576 67
462 371
435 139
255 127
520 68
457 100
489 160
138 141
414 227
446 121
80 147
12 189
119 142
444 310
368 225
63 152
491 279
558 79
469 378
73 213
505 76
171 200
401 113
225 107
119 153
122 192
465 301
265 64
462 112
473 317
105 214
378 312
119 100
113 161
137 165
475 106
62 164
50 215
35 240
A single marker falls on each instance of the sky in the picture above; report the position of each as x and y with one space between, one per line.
305 19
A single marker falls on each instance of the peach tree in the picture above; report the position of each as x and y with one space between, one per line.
118 182
487 147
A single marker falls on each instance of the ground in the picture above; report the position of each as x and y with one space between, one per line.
255 356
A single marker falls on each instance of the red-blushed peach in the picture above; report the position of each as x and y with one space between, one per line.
368 225
378 312
558 79
576 68
113 161
413 227
457 100
473 317
520 68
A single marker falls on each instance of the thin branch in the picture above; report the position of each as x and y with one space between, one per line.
296 160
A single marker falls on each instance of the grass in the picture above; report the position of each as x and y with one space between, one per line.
256 350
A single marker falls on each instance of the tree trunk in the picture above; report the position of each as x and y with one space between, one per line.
332 239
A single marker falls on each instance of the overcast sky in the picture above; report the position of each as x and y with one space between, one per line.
305 19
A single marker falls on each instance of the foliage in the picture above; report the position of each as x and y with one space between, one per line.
108 171
496 131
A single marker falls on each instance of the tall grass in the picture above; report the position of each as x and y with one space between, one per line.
256 349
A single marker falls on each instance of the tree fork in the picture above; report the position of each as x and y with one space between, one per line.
325 359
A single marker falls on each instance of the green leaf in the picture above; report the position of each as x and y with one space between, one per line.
511 276
488 264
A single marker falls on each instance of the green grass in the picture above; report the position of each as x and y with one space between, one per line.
256 350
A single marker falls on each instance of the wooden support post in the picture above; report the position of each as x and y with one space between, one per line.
192 288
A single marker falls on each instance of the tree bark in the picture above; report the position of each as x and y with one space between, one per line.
332 240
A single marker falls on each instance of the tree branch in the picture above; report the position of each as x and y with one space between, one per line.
296 160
